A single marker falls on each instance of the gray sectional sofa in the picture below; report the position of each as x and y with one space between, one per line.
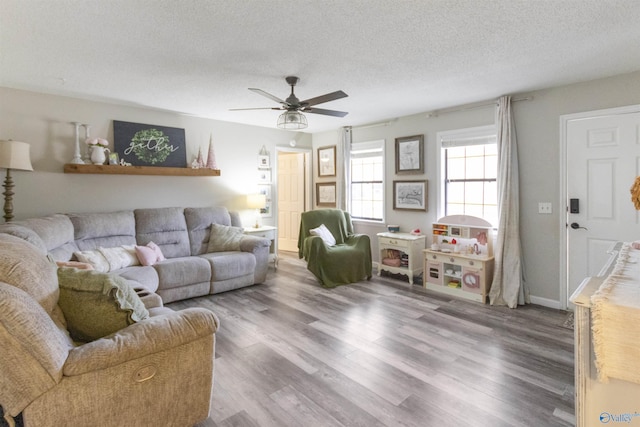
182 234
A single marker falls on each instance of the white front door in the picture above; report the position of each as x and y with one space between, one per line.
291 198
602 162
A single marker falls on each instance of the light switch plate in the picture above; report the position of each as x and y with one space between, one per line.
544 208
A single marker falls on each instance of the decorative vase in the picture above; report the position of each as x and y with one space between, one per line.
98 154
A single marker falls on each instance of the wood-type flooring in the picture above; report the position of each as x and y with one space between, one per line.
383 353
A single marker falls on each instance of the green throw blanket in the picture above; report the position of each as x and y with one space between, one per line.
348 261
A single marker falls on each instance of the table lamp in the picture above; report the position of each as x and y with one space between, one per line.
257 202
13 155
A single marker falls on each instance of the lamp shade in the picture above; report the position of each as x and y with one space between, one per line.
15 155
292 120
256 201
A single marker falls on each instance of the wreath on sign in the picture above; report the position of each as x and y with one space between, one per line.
150 146
635 193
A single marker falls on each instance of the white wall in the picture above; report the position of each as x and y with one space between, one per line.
44 122
537 127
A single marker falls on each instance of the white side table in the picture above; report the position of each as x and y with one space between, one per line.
409 246
268 232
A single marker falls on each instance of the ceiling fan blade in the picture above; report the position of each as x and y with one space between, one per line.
268 95
324 98
258 108
325 112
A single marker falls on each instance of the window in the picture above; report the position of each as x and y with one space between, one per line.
366 200
469 171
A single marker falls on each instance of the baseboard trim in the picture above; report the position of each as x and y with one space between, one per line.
545 302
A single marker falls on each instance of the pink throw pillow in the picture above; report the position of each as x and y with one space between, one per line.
157 250
150 254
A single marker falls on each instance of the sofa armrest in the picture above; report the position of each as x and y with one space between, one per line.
141 339
251 243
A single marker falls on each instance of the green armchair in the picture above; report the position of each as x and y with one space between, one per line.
348 261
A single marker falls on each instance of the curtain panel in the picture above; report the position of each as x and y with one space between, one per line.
509 286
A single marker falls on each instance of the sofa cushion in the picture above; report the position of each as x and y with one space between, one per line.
224 238
26 234
107 230
56 232
24 267
166 227
199 222
147 277
229 265
184 271
97 304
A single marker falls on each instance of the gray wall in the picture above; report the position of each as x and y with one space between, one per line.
538 134
44 122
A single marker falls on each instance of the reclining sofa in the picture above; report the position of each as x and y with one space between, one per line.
154 368
182 234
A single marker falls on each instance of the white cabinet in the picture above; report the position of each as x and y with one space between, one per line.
466 276
460 261
401 253
268 232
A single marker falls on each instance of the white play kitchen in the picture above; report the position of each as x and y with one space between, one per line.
460 259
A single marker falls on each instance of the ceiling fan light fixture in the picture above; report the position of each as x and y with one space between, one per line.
292 120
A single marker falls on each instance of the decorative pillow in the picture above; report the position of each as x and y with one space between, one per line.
224 238
120 257
95 258
150 254
157 250
96 304
324 233
109 259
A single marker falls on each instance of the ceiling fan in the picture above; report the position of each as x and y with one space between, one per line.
293 118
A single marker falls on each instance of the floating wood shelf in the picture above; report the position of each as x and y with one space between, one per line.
138 170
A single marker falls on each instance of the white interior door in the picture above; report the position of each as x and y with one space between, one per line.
291 198
602 155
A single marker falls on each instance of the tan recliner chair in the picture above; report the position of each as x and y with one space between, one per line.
155 372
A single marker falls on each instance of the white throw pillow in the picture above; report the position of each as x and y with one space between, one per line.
324 233
104 260
95 258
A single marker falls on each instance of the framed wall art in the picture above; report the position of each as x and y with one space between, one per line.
410 195
263 161
150 145
264 176
326 194
410 155
266 190
327 161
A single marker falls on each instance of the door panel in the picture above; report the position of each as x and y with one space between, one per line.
291 197
603 154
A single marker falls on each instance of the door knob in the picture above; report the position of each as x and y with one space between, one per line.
576 226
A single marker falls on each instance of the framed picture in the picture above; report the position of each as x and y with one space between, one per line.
327 161
266 211
264 176
263 162
266 190
114 159
150 145
410 155
326 194
410 195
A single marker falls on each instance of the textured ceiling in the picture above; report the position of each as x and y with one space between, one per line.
393 58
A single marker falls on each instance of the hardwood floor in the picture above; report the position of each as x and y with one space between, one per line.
383 353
